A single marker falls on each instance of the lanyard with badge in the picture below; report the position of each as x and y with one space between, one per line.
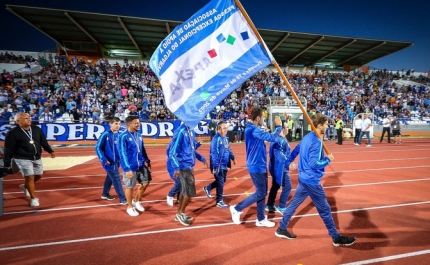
136 141
29 134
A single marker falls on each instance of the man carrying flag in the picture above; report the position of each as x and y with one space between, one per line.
311 169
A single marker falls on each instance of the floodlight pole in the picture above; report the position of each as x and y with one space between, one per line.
305 114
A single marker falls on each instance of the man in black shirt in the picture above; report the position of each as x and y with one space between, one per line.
24 144
212 128
161 116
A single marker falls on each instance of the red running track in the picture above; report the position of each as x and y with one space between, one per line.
379 194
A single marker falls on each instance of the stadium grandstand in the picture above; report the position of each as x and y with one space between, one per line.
99 70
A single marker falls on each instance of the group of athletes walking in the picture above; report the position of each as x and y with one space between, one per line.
127 150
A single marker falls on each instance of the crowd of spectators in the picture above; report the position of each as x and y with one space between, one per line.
10 57
95 91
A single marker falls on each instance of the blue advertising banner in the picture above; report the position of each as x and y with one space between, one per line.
91 131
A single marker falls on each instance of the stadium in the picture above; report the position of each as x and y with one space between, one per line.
100 70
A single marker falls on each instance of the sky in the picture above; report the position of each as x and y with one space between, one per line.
375 19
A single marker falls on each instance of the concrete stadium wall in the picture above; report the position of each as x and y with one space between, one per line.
10 67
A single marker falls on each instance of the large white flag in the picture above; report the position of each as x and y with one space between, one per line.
204 59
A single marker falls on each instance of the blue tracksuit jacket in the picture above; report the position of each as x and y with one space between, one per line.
256 160
220 153
107 149
311 166
181 152
280 158
132 152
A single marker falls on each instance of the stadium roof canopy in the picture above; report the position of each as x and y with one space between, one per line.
125 36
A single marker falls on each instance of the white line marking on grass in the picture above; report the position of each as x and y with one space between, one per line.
192 227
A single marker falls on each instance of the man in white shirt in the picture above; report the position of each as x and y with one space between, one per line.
386 128
365 130
46 115
230 127
358 123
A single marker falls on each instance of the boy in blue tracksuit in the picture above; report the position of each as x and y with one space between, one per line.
135 164
182 156
220 157
108 153
311 169
176 189
281 159
256 165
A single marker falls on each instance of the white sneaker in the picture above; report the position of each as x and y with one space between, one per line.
264 222
235 215
138 206
356 144
132 212
169 201
22 187
34 202
369 145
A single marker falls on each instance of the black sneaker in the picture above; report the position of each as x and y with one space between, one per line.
182 218
284 234
108 197
343 241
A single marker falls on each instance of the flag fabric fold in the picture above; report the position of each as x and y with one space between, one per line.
204 59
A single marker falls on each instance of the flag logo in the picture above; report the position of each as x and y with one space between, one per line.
231 39
204 95
212 53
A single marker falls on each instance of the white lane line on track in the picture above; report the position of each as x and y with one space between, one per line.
205 169
162 183
336 162
394 257
194 198
194 227
201 151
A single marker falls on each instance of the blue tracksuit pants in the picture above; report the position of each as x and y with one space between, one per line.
285 193
259 196
318 197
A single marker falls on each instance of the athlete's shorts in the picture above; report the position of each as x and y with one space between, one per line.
188 185
144 175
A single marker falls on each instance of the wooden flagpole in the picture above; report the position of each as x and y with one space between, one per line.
305 114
